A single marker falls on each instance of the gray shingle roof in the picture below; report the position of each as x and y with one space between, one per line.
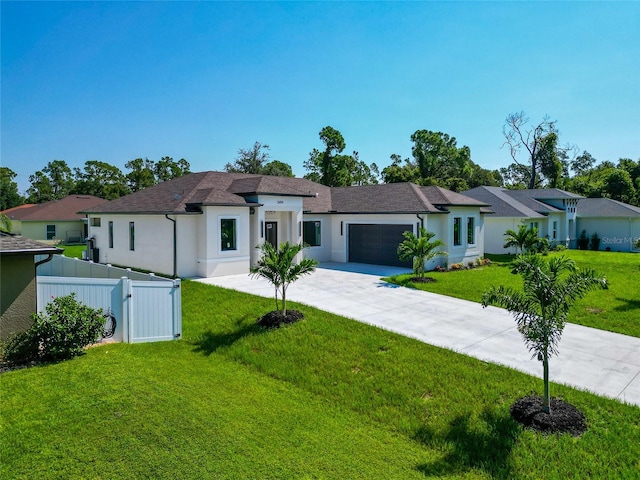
605 207
395 198
502 204
206 188
387 198
180 195
16 244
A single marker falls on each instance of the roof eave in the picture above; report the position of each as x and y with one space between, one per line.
369 212
30 251
277 194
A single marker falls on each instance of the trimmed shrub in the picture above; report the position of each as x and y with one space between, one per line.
583 240
67 327
594 244
541 245
62 332
20 348
559 248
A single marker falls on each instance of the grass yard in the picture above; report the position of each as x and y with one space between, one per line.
616 309
323 398
73 251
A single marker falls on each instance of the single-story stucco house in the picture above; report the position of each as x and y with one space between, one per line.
617 224
552 211
559 216
18 281
56 220
210 223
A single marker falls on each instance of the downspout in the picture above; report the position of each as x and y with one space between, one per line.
48 259
421 222
175 245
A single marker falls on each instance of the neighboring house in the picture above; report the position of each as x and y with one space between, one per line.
57 220
616 223
552 211
210 223
18 281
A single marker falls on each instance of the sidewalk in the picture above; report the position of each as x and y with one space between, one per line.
602 362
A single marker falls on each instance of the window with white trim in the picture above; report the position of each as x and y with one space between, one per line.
132 236
471 231
457 234
51 232
110 234
228 232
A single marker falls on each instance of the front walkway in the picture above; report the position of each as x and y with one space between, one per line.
602 362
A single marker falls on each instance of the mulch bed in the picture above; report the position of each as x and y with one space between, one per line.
275 318
422 280
564 417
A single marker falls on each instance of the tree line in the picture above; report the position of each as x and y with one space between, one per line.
539 160
57 180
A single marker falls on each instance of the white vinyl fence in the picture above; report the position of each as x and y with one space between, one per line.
143 311
61 266
144 307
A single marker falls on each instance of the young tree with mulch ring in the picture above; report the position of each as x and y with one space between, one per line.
279 267
550 289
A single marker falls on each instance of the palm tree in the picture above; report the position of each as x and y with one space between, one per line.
420 249
278 266
550 289
524 239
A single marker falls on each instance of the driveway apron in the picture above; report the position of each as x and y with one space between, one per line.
601 362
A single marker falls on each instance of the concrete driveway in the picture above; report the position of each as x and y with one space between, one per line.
602 362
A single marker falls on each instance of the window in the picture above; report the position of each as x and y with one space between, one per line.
110 234
311 234
471 231
95 221
457 240
228 234
555 230
51 232
533 225
132 236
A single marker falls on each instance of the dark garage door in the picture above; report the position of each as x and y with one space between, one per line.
377 244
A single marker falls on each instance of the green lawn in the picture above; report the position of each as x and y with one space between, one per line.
323 398
73 251
616 309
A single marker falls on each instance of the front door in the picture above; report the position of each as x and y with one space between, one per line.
271 233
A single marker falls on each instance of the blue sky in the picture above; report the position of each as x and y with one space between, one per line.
114 81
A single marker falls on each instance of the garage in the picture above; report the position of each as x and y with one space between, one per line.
377 244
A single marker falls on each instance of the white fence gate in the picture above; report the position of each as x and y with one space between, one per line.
144 311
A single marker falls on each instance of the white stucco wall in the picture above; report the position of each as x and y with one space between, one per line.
321 253
286 211
153 246
494 228
335 230
465 252
617 233
212 260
